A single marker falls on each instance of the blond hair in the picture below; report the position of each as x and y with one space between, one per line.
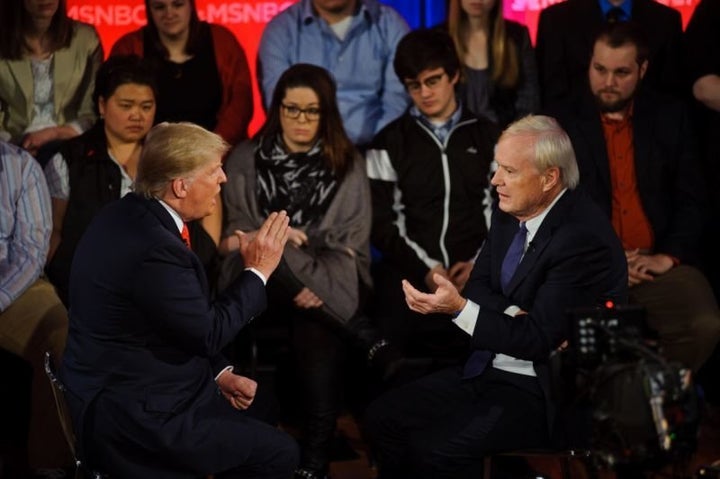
174 150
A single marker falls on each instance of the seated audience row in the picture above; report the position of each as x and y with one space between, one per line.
52 61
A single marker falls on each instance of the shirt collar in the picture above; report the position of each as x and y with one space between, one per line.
448 125
368 8
175 216
626 119
626 7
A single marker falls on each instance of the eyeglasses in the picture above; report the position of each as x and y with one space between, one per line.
414 86
294 112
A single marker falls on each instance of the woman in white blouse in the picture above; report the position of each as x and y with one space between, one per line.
47 69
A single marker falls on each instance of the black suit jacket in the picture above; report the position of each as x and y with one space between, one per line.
565 41
671 189
575 260
144 346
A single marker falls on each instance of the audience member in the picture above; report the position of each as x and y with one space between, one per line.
32 318
638 162
549 249
99 166
566 32
302 161
47 69
145 376
429 177
202 72
702 44
353 39
499 61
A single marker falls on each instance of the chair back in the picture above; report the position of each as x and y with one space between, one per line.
59 389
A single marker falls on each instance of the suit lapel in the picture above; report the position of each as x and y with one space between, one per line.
163 216
167 221
592 20
643 126
64 71
22 72
591 128
539 242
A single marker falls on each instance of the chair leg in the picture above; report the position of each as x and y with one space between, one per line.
487 467
565 466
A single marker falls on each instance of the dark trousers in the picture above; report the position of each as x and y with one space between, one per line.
319 356
681 307
441 426
319 349
126 440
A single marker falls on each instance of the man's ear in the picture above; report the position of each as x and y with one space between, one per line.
643 68
551 178
179 187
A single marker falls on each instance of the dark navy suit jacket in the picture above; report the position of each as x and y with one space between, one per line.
574 260
144 346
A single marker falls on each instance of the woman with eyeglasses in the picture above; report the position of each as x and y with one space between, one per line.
302 161
500 75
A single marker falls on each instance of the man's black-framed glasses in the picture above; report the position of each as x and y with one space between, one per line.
413 86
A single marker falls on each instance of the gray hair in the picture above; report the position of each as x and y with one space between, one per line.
552 146
174 150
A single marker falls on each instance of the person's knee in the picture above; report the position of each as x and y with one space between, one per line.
707 329
374 421
51 327
285 457
426 459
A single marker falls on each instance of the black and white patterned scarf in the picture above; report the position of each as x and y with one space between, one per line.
299 183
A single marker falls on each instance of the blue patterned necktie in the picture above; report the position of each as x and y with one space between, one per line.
480 358
512 257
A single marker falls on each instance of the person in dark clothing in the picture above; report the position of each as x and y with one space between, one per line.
429 178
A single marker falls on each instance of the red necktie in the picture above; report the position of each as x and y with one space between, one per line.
185 235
